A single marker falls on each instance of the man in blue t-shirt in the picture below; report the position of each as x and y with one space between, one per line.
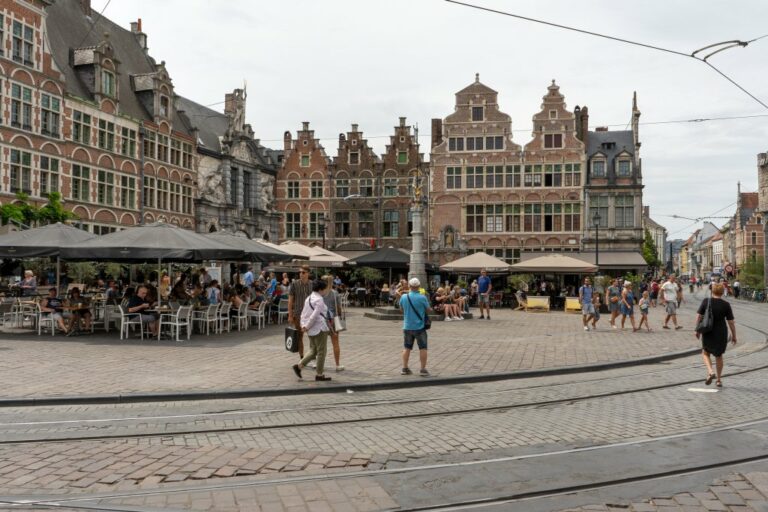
585 299
415 307
484 288
248 278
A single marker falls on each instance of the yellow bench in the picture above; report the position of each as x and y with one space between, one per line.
572 305
537 304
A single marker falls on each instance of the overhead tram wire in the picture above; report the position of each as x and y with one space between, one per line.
722 46
93 24
704 217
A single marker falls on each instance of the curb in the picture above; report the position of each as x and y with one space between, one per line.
335 388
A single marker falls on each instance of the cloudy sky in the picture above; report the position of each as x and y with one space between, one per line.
337 62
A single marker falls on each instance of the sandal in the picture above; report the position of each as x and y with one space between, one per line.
719 384
709 379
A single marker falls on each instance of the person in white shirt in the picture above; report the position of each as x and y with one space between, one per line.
669 292
314 321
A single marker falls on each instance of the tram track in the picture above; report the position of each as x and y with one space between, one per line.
349 421
80 501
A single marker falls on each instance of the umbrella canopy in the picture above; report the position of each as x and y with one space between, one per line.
386 257
41 242
318 257
253 249
152 242
558 263
475 263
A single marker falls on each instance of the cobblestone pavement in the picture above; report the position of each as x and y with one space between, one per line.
35 366
735 492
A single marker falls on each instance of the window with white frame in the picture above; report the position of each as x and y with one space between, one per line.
365 224
163 188
186 155
292 225
127 195
175 152
81 183
304 161
624 210
366 187
150 144
81 127
21 107
162 148
106 135
50 114
293 189
391 223
390 187
105 187
21 172
402 157
553 140
148 192
342 187
598 205
2 34
23 43
314 224
453 177
316 189
165 108
127 142
49 175
624 169
108 83
598 168
186 192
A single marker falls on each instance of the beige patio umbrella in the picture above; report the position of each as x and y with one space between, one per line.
474 263
318 257
554 262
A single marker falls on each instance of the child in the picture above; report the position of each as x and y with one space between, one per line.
644 303
596 302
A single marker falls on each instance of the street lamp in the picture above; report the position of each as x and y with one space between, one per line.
321 226
596 222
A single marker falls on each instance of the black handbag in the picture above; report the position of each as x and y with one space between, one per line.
707 322
425 319
291 339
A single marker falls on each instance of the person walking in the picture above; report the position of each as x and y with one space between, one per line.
484 288
333 303
597 301
714 342
314 321
669 294
415 307
298 292
736 288
614 300
645 301
585 299
628 306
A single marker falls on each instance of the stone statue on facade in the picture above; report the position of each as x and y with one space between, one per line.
212 188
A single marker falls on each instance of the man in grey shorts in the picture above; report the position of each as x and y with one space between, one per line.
585 299
669 291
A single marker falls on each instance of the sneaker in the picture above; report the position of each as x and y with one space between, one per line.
665 327
586 328
297 370
424 372
459 318
322 377
613 326
448 319
678 327
340 368
482 317
406 371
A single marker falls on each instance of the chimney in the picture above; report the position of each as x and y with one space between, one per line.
287 141
305 126
140 36
585 125
85 5
354 128
402 122
601 129
437 132
647 212
229 104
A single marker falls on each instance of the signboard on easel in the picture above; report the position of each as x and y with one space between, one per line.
215 273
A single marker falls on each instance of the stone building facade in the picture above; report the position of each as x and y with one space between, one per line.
748 228
236 174
487 193
762 179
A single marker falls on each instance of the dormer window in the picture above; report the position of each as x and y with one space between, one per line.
305 160
164 106
553 140
402 157
477 113
107 83
598 168
624 168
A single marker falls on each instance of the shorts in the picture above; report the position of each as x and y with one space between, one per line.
613 307
588 309
145 319
419 336
671 307
484 298
56 316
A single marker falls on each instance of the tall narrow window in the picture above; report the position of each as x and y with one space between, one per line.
21 107
314 224
624 209
105 188
162 194
553 140
390 187
366 187
175 152
354 158
598 169
512 217
453 177
624 169
148 195
512 176
162 148
599 205
304 160
342 187
81 127
107 83
316 189
50 107
2 34
293 225
81 187
365 224
754 238
247 189
475 218
128 142
164 106
293 189
21 171
23 43
106 135
49 175
391 223
127 192
150 143
186 155
402 157
342 225
233 185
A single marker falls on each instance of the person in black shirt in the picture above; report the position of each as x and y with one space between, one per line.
715 341
53 304
138 304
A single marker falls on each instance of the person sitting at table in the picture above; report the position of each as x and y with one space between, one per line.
258 298
113 292
235 297
179 291
84 313
443 304
53 305
138 305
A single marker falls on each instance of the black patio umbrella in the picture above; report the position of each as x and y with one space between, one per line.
152 242
384 258
254 250
45 241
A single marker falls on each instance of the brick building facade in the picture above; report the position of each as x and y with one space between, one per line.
489 194
762 179
748 228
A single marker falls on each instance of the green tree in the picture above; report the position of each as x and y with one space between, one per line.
54 210
650 253
366 274
751 274
20 210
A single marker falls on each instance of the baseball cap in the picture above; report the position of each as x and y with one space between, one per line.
414 282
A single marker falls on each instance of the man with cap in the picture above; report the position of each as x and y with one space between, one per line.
415 307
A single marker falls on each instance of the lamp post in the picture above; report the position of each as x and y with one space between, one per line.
596 222
321 226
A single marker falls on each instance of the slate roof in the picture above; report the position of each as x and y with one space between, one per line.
210 124
623 141
69 28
